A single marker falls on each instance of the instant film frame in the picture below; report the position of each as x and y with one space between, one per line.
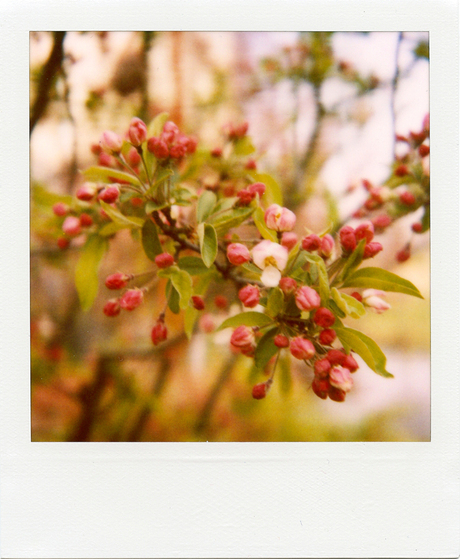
230 500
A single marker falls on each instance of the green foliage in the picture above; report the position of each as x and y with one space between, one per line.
208 243
377 278
258 217
266 349
222 223
273 193
193 265
365 347
86 271
348 304
182 283
250 318
206 204
108 175
275 302
120 219
150 240
317 262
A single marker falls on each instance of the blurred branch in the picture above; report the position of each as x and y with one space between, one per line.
46 81
225 373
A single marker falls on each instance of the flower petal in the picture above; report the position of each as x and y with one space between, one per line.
271 276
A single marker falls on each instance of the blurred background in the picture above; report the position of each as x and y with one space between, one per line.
323 110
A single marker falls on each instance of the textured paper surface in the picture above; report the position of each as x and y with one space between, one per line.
229 500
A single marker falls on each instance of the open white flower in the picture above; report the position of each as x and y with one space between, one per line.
272 259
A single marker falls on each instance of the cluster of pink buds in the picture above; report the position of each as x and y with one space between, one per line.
171 143
333 375
324 245
243 340
350 237
72 225
130 299
247 195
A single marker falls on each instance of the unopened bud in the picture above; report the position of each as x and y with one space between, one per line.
307 298
324 317
311 242
327 246
249 296
137 131
131 299
71 226
302 348
279 218
238 254
281 341
117 281
109 194
159 332
112 307
164 260
289 240
60 209
111 142
326 337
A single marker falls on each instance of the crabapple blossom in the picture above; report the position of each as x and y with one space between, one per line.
242 337
131 299
249 296
164 260
302 348
340 377
289 240
327 245
159 332
111 142
137 132
279 219
272 259
307 298
238 254
372 299
71 226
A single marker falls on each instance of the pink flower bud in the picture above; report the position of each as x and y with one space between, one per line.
257 188
249 296
289 240
63 243
242 337
60 209
164 260
221 302
365 231
86 220
259 391
381 221
424 150
131 299
71 226
112 307
251 165
417 227
238 254
372 299
302 348
350 363
311 242
327 246
197 302
372 249
137 131
86 192
336 356
357 296
111 142
177 151
407 198
159 332
117 281
347 239
324 317
287 285
326 337
279 219
403 254
207 323
245 197
340 378
401 171
133 157
307 299
170 131
336 394
320 387
158 147
281 341
322 367
216 152
109 194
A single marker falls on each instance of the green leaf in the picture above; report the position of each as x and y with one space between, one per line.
243 146
348 304
426 219
222 223
206 203
107 175
121 219
111 228
152 206
44 197
273 193
173 298
155 126
322 275
266 348
250 318
336 309
208 243
365 347
163 174
258 217
376 278
150 241
193 265
86 271
353 261
182 283
275 301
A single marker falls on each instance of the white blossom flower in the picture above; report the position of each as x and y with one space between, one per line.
372 298
272 259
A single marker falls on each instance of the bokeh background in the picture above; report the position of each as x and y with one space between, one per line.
99 379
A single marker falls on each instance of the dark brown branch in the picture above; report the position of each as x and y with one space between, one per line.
48 74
